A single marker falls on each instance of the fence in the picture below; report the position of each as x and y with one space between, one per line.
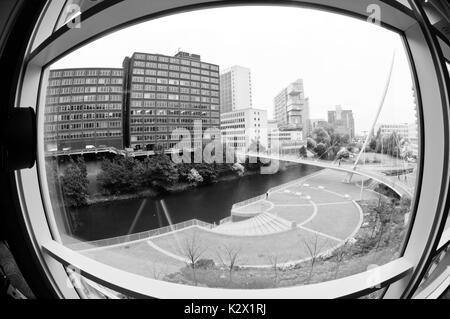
246 202
138 236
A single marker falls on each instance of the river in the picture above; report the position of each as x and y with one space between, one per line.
209 203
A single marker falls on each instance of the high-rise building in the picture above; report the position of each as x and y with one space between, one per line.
164 93
235 89
342 121
83 109
292 108
241 128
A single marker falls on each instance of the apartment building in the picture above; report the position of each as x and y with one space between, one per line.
241 128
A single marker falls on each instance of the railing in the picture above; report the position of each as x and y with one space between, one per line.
138 236
225 220
139 287
247 201
85 151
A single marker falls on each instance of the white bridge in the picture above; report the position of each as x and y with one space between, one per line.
374 173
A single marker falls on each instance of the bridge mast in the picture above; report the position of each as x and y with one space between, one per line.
380 106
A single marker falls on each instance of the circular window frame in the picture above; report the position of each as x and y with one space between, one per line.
429 80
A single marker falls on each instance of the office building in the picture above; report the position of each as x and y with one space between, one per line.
284 142
241 128
342 121
402 130
235 89
165 93
83 109
316 123
292 108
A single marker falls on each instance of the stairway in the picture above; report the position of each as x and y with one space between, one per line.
262 224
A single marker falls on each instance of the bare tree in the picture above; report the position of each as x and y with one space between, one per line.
192 250
314 248
274 262
157 272
228 256
340 253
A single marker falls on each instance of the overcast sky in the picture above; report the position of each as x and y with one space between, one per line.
343 61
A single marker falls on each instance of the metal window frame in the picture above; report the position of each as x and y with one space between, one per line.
424 53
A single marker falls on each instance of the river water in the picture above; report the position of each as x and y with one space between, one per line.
209 203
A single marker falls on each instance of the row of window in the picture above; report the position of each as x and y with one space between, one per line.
156 66
84 135
83 81
153 80
83 89
81 116
173 60
171 120
176 97
173 104
176 75
83 98
170 112
83 107
85 125
70 73
173 89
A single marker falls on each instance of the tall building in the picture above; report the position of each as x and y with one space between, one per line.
83 109
241 127
292 108
235 89
342 121
164 93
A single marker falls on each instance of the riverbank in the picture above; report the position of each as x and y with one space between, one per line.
173 189
152 193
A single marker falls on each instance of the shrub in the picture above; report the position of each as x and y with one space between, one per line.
205 264
75 184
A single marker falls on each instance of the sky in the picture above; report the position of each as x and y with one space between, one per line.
342 60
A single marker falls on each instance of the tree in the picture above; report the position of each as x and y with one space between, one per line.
320 135
194 177
192 250
228 256
321 150
311 143
207 171
160 172
340 253
343 153
121 175
75 184
313 248
303 152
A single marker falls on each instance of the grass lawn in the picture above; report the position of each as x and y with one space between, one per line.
338 220
254 250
